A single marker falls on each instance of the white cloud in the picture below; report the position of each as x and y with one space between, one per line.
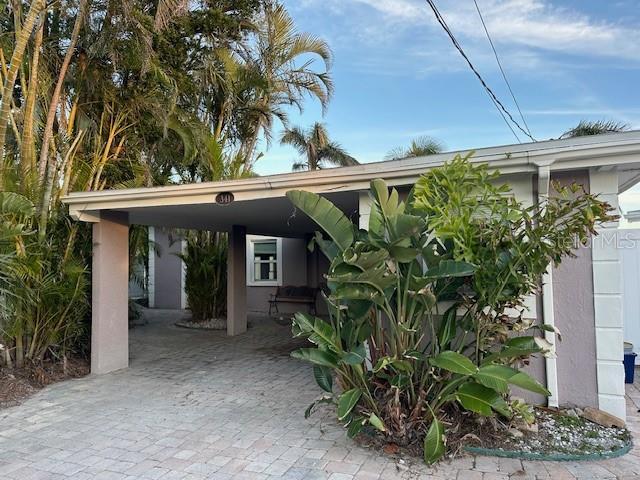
535 24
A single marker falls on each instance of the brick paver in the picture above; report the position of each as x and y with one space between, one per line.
198 405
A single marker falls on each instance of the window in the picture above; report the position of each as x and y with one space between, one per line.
264 261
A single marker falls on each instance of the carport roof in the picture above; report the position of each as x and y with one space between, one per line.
259 201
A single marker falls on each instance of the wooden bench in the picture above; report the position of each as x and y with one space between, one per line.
292 294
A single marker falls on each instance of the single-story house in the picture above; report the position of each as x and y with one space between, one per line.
583 297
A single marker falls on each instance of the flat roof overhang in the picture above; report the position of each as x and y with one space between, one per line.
261 205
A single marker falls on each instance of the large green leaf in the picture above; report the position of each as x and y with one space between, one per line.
480 399
434 442
356 356
363 259
316 356
347 401
448 326
329 217
451 268
317 330
324 377
378 278
454 362
525 381
495 377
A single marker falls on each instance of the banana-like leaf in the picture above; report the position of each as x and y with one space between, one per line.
324 378
448 326
375 421
522 380
378 278
355 426
495 377
316 356
451 268
317 330
329 217
365 260
403 254
347 401
482 400
454 362
434 442
328 247
356 356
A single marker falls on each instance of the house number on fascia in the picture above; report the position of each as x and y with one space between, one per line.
224 198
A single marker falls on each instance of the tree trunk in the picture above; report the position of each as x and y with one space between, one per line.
48 130
16 60
28 150
55 98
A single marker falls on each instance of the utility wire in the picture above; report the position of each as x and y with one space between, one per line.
504 75
501 108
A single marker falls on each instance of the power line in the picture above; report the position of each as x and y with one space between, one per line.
498 104
504 75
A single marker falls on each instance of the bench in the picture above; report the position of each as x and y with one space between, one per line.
291 294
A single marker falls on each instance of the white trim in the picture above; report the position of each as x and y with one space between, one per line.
251 240
151 281
183 276
548 317
607 285
576 153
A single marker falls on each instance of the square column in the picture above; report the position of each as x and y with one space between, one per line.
607 299
110 293
237 281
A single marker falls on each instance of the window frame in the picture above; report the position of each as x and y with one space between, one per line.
251 281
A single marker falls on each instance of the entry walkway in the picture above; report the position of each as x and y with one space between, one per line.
201 405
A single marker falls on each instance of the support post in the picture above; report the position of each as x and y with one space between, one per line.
551 367
237 281
607 300
110 293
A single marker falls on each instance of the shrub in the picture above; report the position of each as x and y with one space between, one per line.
206 274
43 284
426 307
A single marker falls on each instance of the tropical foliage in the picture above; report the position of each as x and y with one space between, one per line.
419 147
427 320
126 93
585 128
316 148
205 260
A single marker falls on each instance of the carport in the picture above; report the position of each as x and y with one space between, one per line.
583 297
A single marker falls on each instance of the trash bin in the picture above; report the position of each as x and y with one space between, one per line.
629 362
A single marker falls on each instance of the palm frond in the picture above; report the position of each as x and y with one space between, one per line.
598 127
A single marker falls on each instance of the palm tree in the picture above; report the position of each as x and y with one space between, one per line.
283 57
586 127
419 147
316 148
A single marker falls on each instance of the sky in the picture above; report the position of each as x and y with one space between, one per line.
397 76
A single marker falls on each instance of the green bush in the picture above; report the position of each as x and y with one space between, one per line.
426 307
206 274
43 284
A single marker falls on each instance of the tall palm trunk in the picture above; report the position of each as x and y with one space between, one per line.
28 150
16 60
48 130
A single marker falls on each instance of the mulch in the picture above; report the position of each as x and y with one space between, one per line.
16 385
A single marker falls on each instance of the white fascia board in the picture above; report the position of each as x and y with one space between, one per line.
567 154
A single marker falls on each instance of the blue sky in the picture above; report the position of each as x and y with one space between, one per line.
397 76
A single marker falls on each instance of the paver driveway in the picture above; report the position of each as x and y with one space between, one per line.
198 405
